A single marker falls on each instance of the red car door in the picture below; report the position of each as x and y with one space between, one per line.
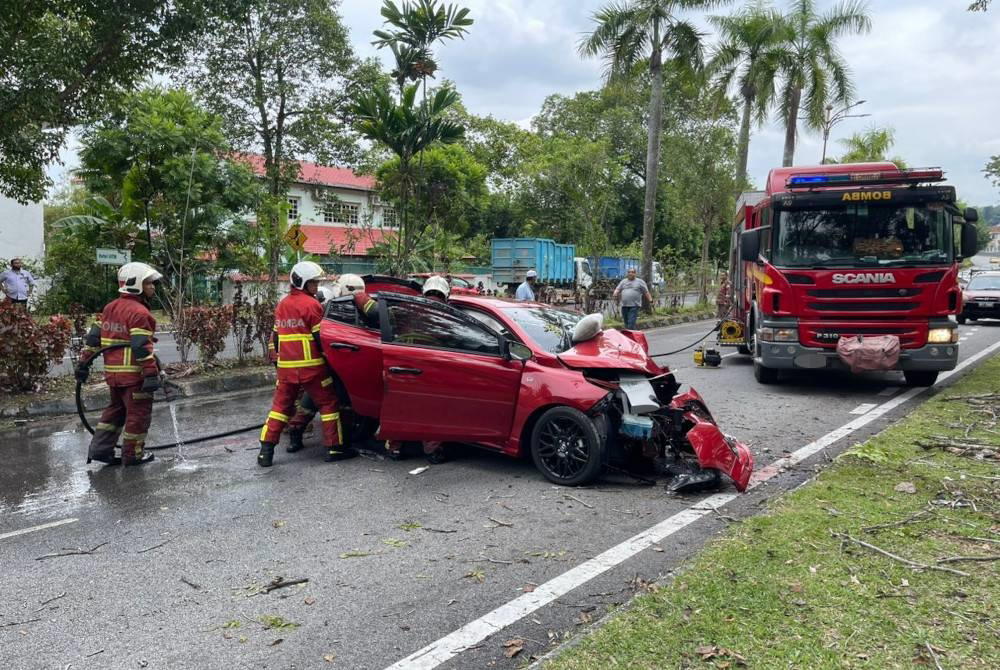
444 376
354 351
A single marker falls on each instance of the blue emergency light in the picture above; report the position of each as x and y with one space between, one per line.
906 176
818 179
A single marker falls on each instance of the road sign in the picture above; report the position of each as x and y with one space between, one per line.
295 238
113 256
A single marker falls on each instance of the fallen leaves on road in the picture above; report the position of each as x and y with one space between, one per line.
273 621
329 658
905 487
393 542
355 553
410 525
278 523
277 642
475 575
309 600
513 647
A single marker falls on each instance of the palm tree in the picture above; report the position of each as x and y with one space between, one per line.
812 65
873 144
406 128
417 26
748 55
630 32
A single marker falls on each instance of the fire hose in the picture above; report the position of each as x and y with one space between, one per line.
82 411
701 339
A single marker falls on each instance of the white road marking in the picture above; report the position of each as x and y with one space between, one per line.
865 408
888 391
24 531
451 645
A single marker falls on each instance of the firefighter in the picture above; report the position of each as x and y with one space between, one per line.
437 288
131 371
301 366
306 409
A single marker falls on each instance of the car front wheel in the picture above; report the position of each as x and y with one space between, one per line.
567 447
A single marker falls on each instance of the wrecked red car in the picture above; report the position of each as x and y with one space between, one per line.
520 378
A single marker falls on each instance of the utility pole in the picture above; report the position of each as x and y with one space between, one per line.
833 118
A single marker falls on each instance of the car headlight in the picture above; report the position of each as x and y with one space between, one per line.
779 334
942 335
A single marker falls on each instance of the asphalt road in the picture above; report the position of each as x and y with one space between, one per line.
437 569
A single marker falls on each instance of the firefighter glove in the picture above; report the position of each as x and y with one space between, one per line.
150 384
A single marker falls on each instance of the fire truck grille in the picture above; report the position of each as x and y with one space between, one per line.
863 306
864 293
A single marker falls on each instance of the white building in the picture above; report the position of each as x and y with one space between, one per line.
22 231
339 211
994 244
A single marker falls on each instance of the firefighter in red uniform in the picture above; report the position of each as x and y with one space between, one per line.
131 371
301 366
348 284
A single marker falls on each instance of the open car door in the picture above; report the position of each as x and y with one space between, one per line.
445 376
353 350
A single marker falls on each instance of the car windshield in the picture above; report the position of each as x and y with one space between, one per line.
863 235
981 283
550 329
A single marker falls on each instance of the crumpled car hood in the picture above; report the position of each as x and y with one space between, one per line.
610 349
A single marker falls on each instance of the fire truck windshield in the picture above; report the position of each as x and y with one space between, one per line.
863 235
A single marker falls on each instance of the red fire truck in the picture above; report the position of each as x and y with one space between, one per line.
834 251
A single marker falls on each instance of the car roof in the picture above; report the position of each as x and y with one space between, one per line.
986 273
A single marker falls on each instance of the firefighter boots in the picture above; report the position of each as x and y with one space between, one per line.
265 458
294 441
140 459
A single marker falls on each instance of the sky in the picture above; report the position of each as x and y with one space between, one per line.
929 69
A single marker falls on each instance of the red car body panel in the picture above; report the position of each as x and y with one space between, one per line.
610 349
713 448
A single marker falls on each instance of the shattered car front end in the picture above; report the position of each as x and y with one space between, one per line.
651 427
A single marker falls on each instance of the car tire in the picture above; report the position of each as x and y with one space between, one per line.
743 349
961 319
567 447
763 375
920 377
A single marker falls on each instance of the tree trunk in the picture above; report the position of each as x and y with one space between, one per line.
705 244
791 123
743 146
652 162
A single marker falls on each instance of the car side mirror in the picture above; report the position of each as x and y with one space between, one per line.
516 351
971 215
750 245
970 240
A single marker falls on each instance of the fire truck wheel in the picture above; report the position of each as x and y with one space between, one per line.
764 375
961 319
744 349
920 377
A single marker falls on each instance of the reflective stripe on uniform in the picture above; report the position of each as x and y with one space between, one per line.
295 337
134 437
326 382
122 368
108 341
139 395
368 306
315 328
335 416
277 416
140 331
308 363
109 427
263 432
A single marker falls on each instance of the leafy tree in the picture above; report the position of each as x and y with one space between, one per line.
992 170
63 62
635 31
979 5
281 73
873 144
406 127
747 58
159 160
811 64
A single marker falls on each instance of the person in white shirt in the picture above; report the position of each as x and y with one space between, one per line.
526 291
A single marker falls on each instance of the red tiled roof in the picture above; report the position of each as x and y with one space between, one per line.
344 241
311 173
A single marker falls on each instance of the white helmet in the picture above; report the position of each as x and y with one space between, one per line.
350 284
439 284
132 275
325 293
304 271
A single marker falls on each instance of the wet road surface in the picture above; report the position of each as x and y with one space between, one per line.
170 560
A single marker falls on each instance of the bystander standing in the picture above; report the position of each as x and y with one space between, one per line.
17 283
631 290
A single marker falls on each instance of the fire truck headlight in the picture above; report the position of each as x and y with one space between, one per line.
779 334
942 335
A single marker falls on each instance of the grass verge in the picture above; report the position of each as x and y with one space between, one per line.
789 589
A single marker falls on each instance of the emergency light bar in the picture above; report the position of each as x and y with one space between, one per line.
908 176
